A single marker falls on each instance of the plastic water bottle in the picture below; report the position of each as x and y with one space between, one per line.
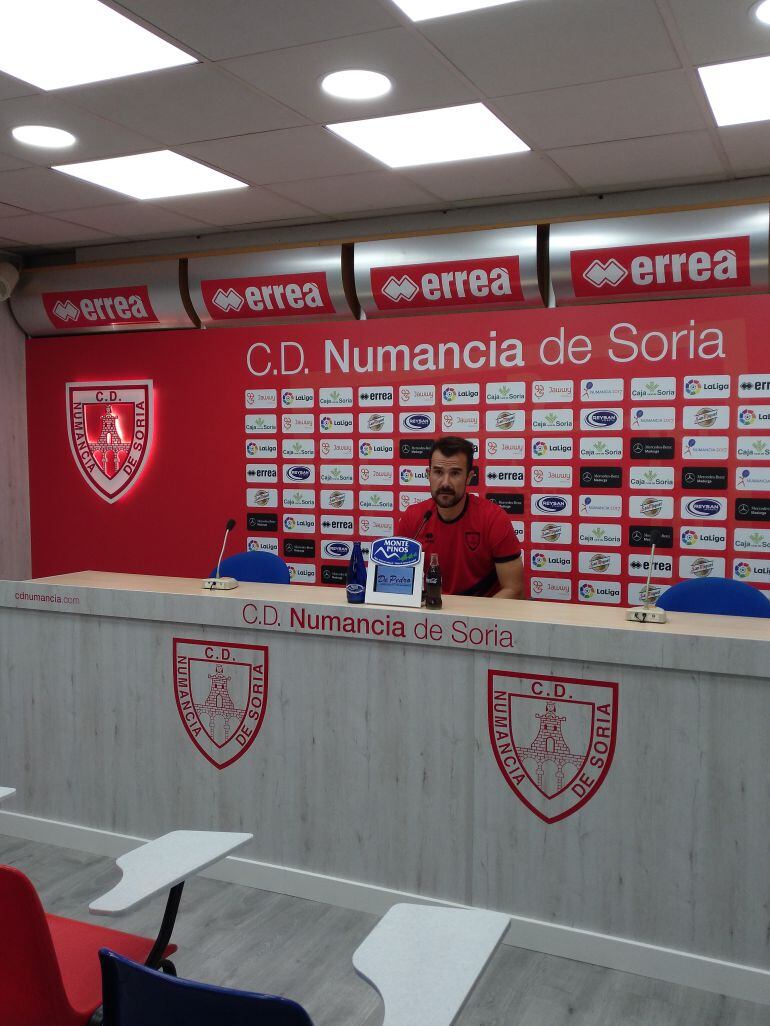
433 583
356 586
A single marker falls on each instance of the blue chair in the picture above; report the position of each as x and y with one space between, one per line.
715 595
257 567
137 996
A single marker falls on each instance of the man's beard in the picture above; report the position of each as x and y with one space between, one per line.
446 498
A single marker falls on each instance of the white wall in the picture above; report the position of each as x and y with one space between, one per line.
14 476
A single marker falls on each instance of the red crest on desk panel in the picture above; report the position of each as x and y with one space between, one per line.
110 432
553 738
221 696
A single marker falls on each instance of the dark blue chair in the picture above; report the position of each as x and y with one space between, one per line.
256 567
137 996
715 595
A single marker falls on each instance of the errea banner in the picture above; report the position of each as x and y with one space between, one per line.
99 308
692 253
279 286
462 271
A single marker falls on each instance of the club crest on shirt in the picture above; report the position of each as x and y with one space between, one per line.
221 696
472 540
110 433
553 738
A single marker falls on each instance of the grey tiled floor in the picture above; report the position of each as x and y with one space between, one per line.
240 937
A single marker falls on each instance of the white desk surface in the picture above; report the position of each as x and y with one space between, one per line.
159 865
498 610
425 960
6 792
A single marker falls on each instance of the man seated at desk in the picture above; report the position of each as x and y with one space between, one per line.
478 551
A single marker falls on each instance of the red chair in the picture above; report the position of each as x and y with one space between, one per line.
49 966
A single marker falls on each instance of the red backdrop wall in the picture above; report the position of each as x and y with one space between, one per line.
171 520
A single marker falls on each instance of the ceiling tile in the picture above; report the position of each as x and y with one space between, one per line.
522 47
420 78
514 175
720 30
46 231
349 194
241 206
133 219
231 28
623 108
748 147
41 189
9 163
656 160
181 105
94 137
10 87
284 156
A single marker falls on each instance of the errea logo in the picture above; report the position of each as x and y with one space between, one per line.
90 308
447 283
286 295
682 266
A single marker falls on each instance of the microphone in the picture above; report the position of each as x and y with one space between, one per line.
426 517
217 583
648 613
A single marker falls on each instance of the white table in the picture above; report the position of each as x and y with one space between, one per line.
6 792
425 960
163 865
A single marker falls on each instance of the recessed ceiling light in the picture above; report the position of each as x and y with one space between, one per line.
761 12
152 175
356 84
432 136
739 92
43 135
421 10
53 44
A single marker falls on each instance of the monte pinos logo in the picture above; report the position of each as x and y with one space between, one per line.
553 738
110 426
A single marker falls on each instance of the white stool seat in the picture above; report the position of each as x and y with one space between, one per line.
425 960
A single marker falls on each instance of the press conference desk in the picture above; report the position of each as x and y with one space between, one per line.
369 763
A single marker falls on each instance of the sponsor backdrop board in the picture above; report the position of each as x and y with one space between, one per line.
594 426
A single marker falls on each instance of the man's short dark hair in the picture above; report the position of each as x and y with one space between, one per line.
450 445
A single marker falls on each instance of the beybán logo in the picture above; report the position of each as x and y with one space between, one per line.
553 738
110 432
221 696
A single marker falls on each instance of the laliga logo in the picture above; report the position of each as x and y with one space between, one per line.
690 537
326 423
609 273
747 417
587 590
693 386
289 523
366 448
539 560
450 394
287 398
400 288
539 448
406 476
742 570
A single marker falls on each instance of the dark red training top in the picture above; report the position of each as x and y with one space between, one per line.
468 547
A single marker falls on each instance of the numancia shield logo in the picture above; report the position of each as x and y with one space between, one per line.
110 431
221 696
553 738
